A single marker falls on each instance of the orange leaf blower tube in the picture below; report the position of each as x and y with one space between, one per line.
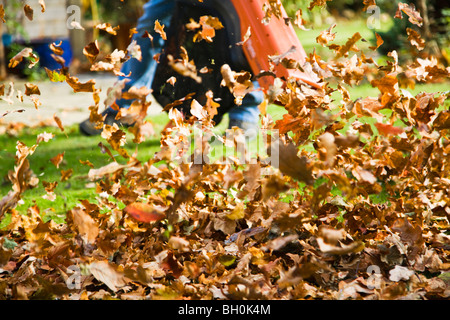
276 37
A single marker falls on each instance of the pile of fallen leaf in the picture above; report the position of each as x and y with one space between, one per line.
358 207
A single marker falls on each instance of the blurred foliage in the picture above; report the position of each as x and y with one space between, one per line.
13 13
438 39
120 12
316 16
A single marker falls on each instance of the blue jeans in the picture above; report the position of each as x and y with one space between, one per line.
142 72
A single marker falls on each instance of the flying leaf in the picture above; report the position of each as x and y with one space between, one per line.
2 13
247 36
327 142
184 68
349 45
55 76
197 110
42 3
379 42
86 225
87 162
115 92
56 48
134 50
66 174
56 160
91 51
8 112
44 136
77 86
76 25
58 122
329 241
237 213
160 30
31 89
317 3
388 129
25 53
410 11
299 22
147 35
107 28
364 175
145 212
326 36
28 12
368 3
415 39
49 186
290 163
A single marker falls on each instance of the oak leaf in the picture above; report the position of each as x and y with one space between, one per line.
410 10
290 163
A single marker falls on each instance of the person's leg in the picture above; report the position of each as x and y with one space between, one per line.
142 72
246 116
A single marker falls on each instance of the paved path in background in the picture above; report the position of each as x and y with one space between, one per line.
58 98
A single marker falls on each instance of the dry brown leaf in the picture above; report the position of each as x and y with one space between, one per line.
145 212
2 13
77 86
299 22
415 39
109 274
28 12
379 42
184 68
388 129
317 3
42 3
160 30
25 53
326 36
410 10
95 174
31 89
58 122
107 28
349 45
247 36
56 48
290 163
91 51
329 242
197 110
66 174
56 160
134 50
86 225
